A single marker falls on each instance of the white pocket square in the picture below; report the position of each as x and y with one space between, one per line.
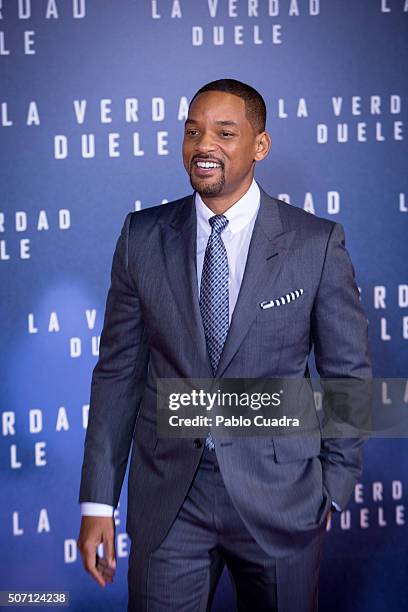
285 299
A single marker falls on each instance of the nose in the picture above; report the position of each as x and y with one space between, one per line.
205 143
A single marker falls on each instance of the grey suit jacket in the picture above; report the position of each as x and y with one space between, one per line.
281 486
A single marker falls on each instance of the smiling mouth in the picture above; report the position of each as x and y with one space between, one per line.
204 167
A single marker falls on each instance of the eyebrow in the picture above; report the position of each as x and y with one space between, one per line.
232 123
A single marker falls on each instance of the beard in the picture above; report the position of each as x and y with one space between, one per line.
208 189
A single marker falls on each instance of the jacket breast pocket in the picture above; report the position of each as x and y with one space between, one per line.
284 325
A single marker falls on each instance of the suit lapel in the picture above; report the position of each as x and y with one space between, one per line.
179 243
268 247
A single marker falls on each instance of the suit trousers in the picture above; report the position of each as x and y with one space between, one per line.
207 534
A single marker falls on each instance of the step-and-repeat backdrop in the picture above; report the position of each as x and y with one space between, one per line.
93 96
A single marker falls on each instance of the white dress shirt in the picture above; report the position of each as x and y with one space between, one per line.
236 238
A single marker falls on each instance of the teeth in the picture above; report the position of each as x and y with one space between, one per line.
207 164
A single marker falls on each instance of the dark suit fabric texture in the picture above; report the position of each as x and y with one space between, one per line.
281 487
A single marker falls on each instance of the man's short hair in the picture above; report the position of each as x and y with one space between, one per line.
255 107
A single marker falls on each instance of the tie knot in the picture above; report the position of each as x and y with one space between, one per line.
218 223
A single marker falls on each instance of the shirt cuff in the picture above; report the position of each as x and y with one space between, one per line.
336 506
96 509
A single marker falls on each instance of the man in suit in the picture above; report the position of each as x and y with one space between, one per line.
189 280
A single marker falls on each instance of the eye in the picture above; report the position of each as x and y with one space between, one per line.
191 132
226 134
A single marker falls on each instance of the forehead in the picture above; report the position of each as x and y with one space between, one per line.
218 106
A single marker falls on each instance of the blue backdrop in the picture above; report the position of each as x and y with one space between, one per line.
93 98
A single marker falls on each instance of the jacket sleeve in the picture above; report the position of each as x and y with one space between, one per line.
118 382
339 334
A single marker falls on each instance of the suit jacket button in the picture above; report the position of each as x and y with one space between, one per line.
197 443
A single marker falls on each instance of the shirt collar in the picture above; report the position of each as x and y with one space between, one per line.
239 215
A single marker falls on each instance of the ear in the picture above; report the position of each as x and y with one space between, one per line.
262 146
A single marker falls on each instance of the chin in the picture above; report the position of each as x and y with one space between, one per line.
207 189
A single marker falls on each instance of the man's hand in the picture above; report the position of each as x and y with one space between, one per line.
94 530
